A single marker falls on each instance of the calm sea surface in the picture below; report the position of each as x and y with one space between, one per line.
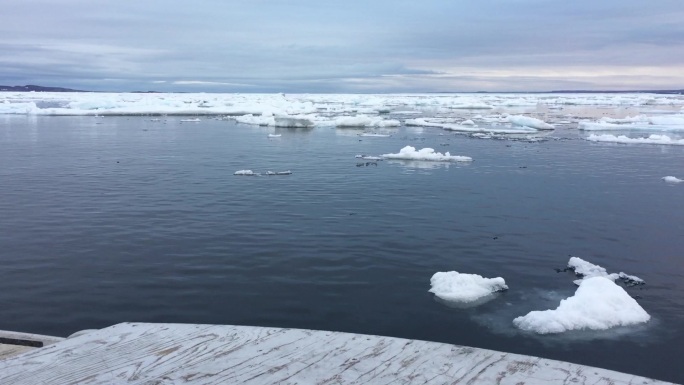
125 219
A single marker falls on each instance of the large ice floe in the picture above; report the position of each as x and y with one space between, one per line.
598 304
465 289
651 139
426 154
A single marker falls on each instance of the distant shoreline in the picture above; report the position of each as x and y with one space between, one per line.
36 88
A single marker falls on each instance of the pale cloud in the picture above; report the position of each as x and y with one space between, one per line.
351 46
204 83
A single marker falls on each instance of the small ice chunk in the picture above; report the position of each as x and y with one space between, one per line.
672 179
631 280
587 270
427 154
245 172
468 123
190 120
274 135
598 304
527 121
373 135
368 157
288 172
458 287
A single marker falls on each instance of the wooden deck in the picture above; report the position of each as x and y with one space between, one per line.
15 343
166 354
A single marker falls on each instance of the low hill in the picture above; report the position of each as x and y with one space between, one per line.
29 88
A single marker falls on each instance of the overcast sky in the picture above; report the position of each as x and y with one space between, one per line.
343 46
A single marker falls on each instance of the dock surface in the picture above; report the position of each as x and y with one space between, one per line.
15 343
169 354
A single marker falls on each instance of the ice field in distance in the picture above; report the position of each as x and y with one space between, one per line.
660 119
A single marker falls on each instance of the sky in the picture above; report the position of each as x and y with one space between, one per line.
349 46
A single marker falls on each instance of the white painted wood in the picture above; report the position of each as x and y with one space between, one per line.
11 350
169 354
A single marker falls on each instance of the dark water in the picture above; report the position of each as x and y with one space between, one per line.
123 219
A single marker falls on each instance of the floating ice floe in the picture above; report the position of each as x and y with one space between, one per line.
329 106
674 122
427 154
252 173
190 120
652 139
288 172
465 288
672 179
588 270
598 304
374 135
471 106
274 135
293 121
255 120
364 121
368 157
427 122
527 121
631 280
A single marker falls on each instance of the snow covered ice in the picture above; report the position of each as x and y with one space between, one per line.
651 139
598 304
464 288
245 173
526 121
672 179
588 270
361 121
293 122
497 113
674 122
426 154
467 128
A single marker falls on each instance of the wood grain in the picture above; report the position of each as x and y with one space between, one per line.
166 354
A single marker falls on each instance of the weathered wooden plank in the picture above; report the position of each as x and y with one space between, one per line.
148 354
15 343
